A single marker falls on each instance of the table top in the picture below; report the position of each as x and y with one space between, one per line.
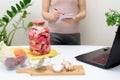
67 53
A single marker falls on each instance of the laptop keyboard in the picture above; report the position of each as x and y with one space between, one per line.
102 59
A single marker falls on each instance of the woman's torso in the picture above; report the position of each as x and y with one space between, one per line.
69 7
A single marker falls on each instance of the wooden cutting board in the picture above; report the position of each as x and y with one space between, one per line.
78 70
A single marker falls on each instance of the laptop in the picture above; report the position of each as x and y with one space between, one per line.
106 58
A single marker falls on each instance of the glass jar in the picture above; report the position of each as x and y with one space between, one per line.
39 38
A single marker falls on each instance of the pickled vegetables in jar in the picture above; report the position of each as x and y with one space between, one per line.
39 38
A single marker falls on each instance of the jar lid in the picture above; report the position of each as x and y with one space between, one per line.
38 22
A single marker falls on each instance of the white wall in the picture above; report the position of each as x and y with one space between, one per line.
94 30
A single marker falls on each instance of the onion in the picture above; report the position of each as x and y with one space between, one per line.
11 62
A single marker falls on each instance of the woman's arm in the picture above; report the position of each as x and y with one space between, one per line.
81 15
45 11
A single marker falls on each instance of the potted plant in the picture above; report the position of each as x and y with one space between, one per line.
19 8
112 18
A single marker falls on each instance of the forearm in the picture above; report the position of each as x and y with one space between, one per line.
79 16
47 16
82 13
45 9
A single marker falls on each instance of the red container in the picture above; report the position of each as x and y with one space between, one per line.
39 38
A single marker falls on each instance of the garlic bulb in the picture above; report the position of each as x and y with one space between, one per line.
68 65
57 67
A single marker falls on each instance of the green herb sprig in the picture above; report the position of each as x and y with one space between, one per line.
112 18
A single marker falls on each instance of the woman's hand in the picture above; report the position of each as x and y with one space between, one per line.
73 19
56 15
69 20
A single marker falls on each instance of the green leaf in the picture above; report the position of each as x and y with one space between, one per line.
1 23
18 7
24 14
29 1
10 13
5 35
30 24
22 4
14 9
26 1
5 19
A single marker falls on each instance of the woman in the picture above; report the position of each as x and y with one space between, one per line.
66 32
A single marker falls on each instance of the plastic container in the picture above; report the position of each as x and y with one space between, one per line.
39 38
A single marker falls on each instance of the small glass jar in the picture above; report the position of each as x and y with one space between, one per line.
39 38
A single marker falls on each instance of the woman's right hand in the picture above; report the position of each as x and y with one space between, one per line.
55 15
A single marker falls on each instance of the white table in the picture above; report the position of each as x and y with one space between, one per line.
68 53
